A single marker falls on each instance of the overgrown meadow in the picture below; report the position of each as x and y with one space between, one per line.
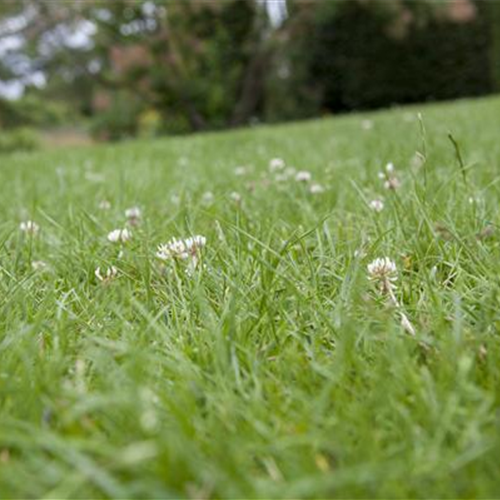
258 354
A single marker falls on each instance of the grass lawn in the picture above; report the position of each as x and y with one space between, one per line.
267 363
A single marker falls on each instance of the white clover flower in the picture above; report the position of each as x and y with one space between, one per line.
316 189
181 249
236 197
359 253
110 274
174 249
382 271
276 164
29 227
392 183
133 213
208 198
187 249
94 177
175 199
376 205
240 171
303 176
104 205
38 265
389 176
366 124
196 241
119 235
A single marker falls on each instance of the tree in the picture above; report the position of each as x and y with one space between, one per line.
199 64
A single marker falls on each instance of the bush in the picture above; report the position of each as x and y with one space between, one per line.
31 111
149 123
290 93
374 54
21 139
120 120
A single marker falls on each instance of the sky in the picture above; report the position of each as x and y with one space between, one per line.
277 11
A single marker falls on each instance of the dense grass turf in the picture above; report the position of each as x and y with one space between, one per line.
276 369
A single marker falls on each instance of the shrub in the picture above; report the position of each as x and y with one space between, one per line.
21 139
290 93
120 119
149 123
373 54
31 111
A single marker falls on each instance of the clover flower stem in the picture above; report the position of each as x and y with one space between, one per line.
405 322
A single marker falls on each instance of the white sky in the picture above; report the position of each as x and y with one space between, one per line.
277 11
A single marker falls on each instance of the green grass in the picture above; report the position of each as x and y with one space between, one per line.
276 369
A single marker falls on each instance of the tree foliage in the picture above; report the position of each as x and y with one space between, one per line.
207 65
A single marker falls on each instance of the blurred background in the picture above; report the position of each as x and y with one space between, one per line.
82 71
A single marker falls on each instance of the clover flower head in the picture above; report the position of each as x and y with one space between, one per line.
208 198
389 177
94 177
119 235
366 124
276 164
383 271
108 275
38 265
240 171
104 205
179 249
236 197
29 227
133 213
303 176
316 189
376 205
392 183
174 249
